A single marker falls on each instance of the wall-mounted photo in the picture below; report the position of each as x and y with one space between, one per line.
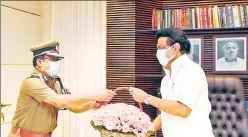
195 50
230 54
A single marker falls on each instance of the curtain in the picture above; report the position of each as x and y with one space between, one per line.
80 28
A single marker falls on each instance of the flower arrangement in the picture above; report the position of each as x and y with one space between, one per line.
123 119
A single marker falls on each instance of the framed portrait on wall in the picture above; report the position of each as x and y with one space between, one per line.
230 54
196 50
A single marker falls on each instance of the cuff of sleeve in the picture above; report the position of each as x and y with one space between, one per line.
42 98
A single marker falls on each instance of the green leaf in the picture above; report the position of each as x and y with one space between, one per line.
96 127
149 133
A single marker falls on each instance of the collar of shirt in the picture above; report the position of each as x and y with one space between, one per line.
175 66
235 60
167 71
180 61
41 75
49 81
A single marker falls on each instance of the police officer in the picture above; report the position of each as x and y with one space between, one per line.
40 96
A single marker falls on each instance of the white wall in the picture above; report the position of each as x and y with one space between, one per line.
46 13
30 6
20 31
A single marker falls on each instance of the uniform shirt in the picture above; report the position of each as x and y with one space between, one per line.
187 84
32 114
239 64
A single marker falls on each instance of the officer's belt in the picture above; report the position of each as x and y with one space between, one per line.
29 134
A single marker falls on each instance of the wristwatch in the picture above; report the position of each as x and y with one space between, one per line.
147 99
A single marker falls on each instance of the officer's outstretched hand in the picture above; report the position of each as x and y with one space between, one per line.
106 96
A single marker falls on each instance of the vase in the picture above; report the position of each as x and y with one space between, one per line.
107 133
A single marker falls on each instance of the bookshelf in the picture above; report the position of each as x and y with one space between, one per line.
207 16
131 45
203 30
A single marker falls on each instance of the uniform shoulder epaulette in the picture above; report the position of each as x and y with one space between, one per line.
34 76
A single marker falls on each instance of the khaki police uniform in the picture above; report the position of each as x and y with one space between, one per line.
32 114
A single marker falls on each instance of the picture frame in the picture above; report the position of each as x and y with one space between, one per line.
197 49
230 54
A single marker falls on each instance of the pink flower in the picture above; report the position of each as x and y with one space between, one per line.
125 128
123 118
110 126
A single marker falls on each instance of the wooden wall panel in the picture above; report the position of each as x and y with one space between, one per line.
143 13
121 47
145 54
245 82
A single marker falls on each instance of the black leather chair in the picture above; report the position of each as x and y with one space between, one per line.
228 116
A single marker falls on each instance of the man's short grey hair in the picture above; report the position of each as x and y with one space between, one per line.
231 41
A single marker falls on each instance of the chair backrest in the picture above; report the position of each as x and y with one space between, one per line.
229 117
